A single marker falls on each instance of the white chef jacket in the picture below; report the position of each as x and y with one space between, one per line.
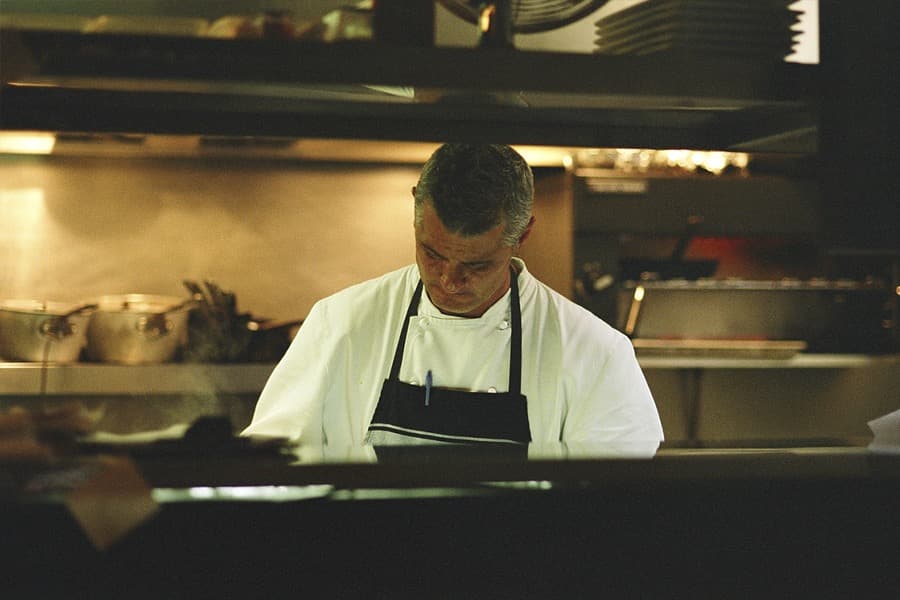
580 376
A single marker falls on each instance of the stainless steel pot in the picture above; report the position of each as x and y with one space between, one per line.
138 328
35 330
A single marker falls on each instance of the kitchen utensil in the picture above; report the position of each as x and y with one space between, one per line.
751 31
270 339
138 328
218 333
39 331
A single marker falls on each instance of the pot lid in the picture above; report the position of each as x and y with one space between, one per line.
39 307
141 303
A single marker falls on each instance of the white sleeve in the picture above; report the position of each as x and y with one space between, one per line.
292 400
616 407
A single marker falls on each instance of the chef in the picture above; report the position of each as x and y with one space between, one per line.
465 346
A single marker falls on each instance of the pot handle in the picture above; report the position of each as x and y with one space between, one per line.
154 326
157 325
59 326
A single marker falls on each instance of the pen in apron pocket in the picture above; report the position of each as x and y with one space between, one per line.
427 387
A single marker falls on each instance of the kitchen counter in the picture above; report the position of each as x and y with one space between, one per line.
556 467
721 523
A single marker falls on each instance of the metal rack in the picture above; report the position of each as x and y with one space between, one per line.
69 81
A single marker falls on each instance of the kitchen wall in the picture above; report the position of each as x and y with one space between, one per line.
278 234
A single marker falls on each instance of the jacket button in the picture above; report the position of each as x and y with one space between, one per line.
503 324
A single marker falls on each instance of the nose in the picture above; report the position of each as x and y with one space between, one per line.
453 278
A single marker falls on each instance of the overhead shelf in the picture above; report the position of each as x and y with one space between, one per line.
69 81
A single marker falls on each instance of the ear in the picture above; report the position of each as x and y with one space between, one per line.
527 231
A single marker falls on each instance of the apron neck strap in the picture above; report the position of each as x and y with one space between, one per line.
515 350
401 343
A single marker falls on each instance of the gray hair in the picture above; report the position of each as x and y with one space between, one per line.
475 187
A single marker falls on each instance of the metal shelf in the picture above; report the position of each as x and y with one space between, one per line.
106 379
64 81
24 379
798 361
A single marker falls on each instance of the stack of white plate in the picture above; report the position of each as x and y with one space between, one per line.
745 29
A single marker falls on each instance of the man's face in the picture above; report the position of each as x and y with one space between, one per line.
462 275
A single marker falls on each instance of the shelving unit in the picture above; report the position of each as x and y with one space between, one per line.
64 81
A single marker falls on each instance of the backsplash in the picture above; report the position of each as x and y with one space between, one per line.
278 235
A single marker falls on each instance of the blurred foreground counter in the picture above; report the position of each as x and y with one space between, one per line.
258 520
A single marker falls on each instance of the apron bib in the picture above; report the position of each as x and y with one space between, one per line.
410 414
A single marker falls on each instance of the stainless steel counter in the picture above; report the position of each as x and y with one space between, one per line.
107 379
194 378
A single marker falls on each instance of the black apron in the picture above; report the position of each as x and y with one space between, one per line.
403 417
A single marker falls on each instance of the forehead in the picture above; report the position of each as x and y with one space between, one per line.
430 231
